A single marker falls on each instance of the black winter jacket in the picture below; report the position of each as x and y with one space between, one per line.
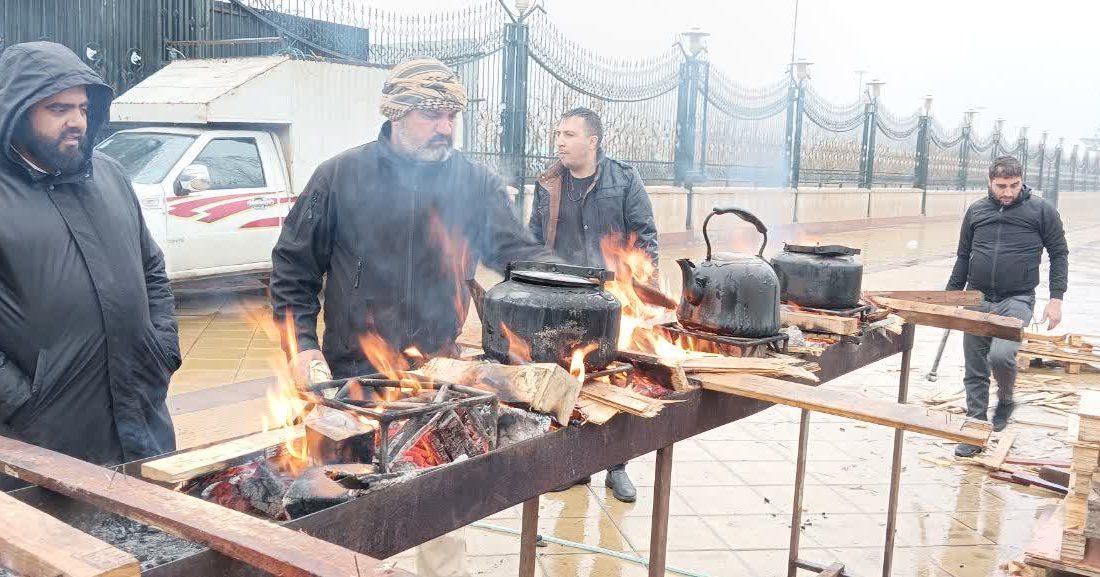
88 336
617 204
1001 247
395 240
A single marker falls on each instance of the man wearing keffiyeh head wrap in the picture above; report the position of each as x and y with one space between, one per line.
422 98
392 231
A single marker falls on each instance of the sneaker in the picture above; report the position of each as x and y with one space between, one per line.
621 487
1001 415
567 486
966 450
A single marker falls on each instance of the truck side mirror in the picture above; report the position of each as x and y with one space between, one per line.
193 178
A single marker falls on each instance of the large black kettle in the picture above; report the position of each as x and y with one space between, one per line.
730 293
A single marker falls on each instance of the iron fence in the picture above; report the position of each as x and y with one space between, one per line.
674 116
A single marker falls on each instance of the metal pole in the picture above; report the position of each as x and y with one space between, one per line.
796 141
799 486
658 535
899 438
921 180
934 373
528 538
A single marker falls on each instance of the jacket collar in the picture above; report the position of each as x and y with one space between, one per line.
552 176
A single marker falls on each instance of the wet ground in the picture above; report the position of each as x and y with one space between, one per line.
732 487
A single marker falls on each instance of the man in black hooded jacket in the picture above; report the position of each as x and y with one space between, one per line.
88 336
1000 248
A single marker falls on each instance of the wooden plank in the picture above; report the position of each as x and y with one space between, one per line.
996 459
1035 481
906 417
186 466
662 492
1056 475
834 570
768 367
1045 549
34 544
647 362
819 323
972 322
544 387
261 544
1038 462
945 298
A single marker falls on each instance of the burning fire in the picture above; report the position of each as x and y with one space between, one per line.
576 365
391 364
519 350
637 330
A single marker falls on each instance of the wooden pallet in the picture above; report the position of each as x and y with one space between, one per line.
1071 352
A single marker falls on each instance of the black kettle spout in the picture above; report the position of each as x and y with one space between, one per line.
692 293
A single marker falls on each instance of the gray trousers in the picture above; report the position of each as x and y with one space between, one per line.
987 354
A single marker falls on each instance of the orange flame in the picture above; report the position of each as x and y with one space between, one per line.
285 409
576 365
455 254
391 364
637 329
519 351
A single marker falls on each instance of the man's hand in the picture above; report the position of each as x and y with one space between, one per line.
1053 313
309 367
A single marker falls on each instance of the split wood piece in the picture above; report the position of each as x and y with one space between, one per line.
594 411
1073 545
544 387
1053 353
819 323
852 406
34 544
623 399
945 317
768 367
197 462
648 362
259 543
1076 512
1079 483
945 298
996 459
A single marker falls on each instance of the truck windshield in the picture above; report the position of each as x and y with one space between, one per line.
146 157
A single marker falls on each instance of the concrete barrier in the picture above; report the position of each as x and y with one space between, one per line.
815 205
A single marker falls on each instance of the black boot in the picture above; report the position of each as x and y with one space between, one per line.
1001 415
567 486
967 450
619 482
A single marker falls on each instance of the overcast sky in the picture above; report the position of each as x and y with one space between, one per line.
1026 61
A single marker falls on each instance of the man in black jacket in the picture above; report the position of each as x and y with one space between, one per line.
582 200
395 228
1000 247
88 336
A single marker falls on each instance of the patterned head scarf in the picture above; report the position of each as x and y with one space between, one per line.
424 84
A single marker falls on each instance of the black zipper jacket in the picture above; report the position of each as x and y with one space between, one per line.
395 241
1001 247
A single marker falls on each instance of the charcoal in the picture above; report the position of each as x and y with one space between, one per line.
252 488
314 491
351 475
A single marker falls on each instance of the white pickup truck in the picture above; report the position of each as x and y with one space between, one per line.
218 150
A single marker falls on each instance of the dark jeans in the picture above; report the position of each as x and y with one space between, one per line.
985 355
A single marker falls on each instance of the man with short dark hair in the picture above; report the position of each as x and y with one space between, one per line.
584 199
88 337
1000 248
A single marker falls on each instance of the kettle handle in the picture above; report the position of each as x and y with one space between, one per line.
745 216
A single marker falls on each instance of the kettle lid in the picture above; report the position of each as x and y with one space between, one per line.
553 279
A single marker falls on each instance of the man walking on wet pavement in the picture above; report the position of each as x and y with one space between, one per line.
1000 248
581 200
88 335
